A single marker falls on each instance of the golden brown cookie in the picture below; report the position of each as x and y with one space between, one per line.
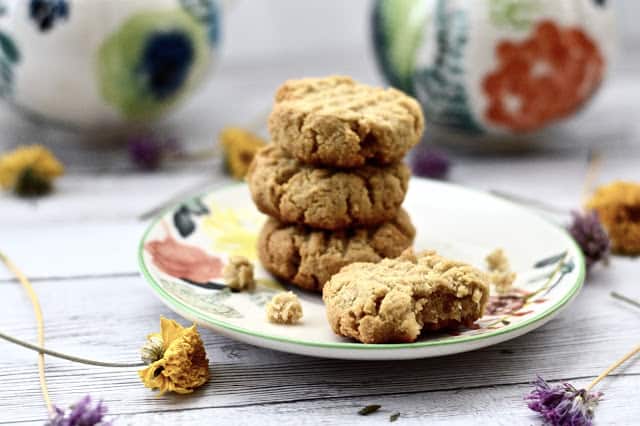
324 198
308 257
396 299
337 122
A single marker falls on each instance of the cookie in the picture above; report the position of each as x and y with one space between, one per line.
324 198
396 299
308 257
337 122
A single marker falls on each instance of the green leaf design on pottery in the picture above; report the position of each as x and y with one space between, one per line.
5 70
151 61
183 217
551 260
261 298
183 222
513 14
210 303
266 289
441 87
9 48
9 55
196 206
398 28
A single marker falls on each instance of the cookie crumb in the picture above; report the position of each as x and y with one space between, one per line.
284 308
500 271
238 274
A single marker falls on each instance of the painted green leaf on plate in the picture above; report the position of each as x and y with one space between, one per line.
9 48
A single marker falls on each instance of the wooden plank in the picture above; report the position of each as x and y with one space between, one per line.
108 319
501 405
82 198
73 249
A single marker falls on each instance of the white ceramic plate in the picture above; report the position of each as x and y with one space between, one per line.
183 252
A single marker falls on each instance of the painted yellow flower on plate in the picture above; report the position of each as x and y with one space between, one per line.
233 231
183 366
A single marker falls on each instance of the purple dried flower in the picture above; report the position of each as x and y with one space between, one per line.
590 235
147 151
82 413
563 405
429 162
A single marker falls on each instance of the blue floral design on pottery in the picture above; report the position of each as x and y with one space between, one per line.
151 62
9 56
45 13
166 60
207 12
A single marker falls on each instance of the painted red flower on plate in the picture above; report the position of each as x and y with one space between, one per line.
542 78
184 261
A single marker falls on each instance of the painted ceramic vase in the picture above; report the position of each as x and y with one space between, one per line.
104 63
489 68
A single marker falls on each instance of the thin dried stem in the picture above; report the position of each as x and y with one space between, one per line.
35 302
594 164
613 366
67 356
624 298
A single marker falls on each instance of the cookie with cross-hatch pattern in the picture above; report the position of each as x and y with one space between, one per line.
325 198
308 257
337 122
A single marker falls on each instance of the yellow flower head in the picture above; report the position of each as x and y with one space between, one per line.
239 146
29 170
618 207
183 365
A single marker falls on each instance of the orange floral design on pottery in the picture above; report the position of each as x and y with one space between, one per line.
543 78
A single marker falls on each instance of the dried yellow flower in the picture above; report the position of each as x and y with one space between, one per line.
238 274
184 365
153 350
29 170
284 308
239 146
500 271
618 208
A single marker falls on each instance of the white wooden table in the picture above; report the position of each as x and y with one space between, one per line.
78 247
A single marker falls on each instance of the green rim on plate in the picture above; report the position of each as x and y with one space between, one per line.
350 345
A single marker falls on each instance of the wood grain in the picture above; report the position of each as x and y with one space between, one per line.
579 343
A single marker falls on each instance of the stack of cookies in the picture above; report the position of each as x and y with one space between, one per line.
333 179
